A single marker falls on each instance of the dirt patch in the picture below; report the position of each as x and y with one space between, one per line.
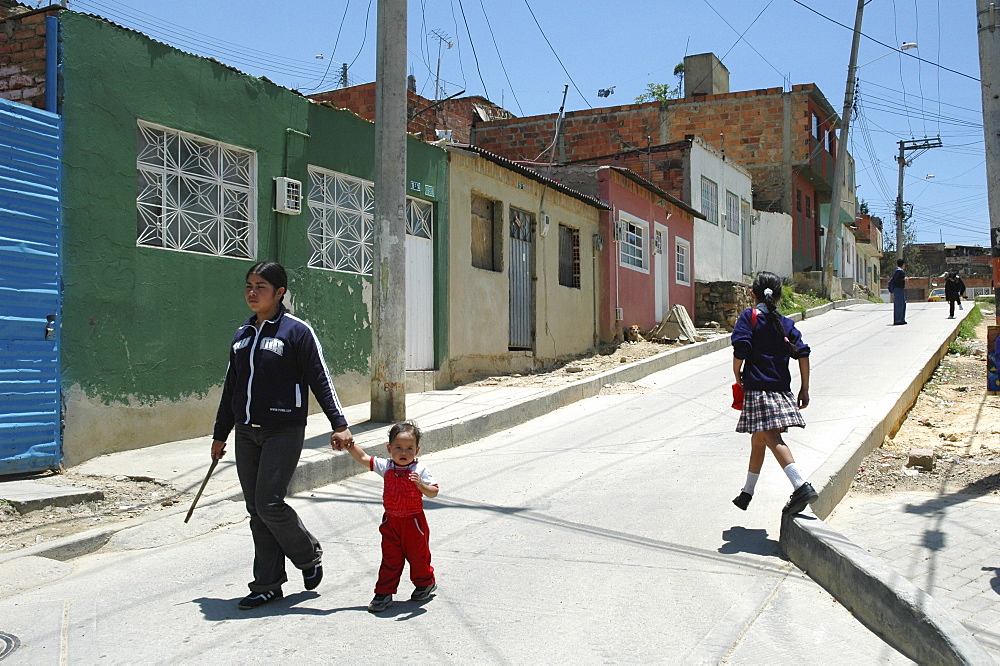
124 498
954 416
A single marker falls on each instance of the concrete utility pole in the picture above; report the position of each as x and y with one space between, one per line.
388 361
840 168
914 144
988 19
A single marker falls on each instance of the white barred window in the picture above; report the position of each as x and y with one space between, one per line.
632 243
195 194
341 217
683 262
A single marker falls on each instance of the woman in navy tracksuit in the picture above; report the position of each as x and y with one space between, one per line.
763 341
274 360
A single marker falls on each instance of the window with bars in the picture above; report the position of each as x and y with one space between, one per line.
569 257
195 194
710 200
632 244
341 218
732 212
683 262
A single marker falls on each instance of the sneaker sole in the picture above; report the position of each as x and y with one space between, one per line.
801 504
379 610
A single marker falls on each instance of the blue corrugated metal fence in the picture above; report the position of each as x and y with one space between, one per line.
30 298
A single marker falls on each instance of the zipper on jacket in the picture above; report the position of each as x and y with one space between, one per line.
253 350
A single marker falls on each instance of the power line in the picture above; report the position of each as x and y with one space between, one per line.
500 58
551 48
906 53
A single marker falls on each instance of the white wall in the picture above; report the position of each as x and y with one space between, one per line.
718 252
772 243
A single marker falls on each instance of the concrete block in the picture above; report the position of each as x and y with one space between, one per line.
28 496
921 458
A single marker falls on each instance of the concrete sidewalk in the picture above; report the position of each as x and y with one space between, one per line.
884 368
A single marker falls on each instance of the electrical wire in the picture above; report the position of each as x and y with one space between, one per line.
500 58
552 48
472 45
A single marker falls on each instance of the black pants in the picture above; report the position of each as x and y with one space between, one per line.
951 308
266 458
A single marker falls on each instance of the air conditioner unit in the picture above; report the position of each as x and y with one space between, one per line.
287 196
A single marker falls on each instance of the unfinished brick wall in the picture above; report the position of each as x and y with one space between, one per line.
22 55
361 100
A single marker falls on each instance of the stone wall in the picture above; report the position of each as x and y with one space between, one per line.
720 302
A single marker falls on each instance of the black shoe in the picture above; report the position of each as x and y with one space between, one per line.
258 599
312 576
380 603
423 592
743 501
802 496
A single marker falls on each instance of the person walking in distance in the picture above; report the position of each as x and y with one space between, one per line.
954 289
405 534
897 287
763 342
274 360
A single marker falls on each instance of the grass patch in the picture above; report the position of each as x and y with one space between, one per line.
966 332
792 301
985 299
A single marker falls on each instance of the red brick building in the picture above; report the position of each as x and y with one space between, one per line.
22 53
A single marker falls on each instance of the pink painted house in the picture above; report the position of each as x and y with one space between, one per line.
647 260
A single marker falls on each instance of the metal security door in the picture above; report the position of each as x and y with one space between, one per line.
419 286
30 241
661 272
522 289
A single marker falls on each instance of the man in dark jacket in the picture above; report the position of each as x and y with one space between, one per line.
897 286
954 289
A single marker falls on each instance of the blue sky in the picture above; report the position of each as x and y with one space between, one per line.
522 52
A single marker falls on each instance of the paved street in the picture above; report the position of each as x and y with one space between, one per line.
599 532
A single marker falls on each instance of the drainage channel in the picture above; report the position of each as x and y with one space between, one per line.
8 644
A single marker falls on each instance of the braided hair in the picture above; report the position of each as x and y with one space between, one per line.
767 289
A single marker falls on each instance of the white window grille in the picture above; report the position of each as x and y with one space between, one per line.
683 262
732 212
341 218
710 200
632 246
195 194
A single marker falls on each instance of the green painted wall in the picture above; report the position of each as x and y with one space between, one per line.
144 328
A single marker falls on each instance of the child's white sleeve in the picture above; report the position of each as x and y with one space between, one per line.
425 474
379 465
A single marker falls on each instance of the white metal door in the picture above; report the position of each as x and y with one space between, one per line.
419 287
661 277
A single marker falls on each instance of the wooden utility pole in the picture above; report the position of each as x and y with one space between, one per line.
840 168
988 19
388 361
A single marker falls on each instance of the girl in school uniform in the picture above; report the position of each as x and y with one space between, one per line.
763 342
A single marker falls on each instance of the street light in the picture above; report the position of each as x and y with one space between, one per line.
906 46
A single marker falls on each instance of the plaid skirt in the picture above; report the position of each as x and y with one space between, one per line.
769 410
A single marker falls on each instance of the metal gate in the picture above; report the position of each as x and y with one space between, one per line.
30 242
522 289
419 285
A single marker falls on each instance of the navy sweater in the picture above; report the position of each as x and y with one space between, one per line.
766 354
269 376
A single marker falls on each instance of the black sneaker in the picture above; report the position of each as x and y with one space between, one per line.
743 501
423 592
312 576
802 496
258 599
380 603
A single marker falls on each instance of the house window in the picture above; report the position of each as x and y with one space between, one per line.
569 257
341 217
831 142
710 200
683 261
732 212
817 131
487 233
798 200
195 194
632 243
809 209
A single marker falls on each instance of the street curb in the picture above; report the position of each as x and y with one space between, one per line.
887 603
895 609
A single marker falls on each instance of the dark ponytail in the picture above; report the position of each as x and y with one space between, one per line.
767 289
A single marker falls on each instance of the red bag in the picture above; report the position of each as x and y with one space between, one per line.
737 396
737 388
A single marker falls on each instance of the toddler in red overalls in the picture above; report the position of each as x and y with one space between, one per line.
405 535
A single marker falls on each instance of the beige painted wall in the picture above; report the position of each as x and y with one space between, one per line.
478 299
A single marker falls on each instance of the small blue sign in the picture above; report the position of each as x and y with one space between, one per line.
415 185
429 190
